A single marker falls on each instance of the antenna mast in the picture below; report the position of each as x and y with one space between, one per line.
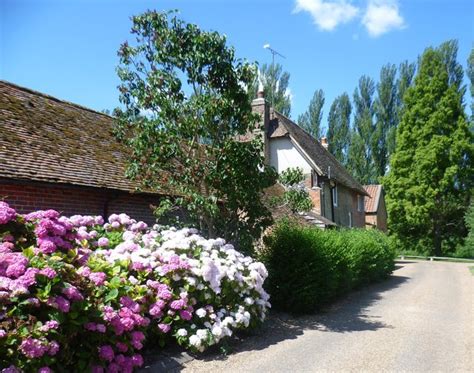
273 52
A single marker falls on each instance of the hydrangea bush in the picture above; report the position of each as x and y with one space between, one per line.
80 292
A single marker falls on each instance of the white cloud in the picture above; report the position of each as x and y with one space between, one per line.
327 15
382 16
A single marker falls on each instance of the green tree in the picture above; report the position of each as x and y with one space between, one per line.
360 158
275 83
339 130
184 106
467 250
470 75
406 72
385 108
311 119
431 170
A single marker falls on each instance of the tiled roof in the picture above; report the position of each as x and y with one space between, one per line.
328 165
372 203
46 139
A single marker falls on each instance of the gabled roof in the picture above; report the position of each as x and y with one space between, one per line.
46 139
328 165
372 203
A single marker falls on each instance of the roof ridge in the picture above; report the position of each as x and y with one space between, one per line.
327 152
45 95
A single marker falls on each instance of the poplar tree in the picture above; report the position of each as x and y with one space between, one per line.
431 170
275 83
385 108
311 119
470 75
360 158
339 131
406 72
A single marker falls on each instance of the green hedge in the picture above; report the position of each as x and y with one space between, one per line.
310 267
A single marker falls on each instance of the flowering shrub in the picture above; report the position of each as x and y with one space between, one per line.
80 292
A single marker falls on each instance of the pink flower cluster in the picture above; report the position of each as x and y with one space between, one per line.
52 232
15 276
174 263
7 214
127 318
35 348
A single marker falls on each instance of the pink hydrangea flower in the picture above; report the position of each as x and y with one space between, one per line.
185 315
48 272
53 348
106 353
7 214
98 278
165 328
103 242
51 324
33 348
122 347
62 304
73 293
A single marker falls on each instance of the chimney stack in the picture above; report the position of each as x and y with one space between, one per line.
260 92
324 142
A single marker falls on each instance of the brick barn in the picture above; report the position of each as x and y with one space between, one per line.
59 155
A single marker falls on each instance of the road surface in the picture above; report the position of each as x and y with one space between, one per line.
420 320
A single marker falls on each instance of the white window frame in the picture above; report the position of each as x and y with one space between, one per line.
350 219
314 180
360 203
334 196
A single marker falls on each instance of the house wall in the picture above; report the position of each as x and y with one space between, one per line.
370 220
347 202
283 154
70 200
382 215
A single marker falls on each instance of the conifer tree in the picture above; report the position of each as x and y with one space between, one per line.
431 170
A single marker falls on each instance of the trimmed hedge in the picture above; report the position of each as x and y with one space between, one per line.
310 267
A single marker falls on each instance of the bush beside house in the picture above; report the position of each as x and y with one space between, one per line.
309 267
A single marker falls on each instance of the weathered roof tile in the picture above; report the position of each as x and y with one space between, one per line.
46 139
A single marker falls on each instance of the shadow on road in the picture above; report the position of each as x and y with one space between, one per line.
348 315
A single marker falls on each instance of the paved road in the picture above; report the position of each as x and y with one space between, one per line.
420 320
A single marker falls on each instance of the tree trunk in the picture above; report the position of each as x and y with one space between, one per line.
436 239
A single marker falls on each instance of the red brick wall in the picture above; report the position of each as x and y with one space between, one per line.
71 200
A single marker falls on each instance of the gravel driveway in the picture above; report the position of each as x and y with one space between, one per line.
420 320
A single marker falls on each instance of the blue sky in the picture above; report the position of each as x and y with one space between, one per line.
67 48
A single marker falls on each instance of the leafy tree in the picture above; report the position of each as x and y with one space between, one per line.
360 159
467 250
406 72
275 83
339 131
385 108
296 197
470 75
311 119
184 106
431 170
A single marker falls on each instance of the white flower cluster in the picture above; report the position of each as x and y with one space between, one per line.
216 275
